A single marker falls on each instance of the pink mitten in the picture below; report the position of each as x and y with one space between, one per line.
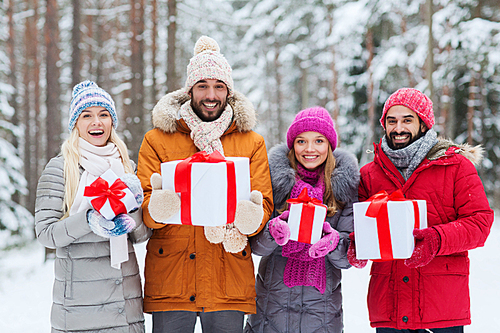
279 229
351 254
326 244
427 244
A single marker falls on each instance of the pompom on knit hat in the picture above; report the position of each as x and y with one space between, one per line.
315 119
87 94
208 63
415 101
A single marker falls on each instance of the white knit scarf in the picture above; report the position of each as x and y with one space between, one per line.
95 161
206 135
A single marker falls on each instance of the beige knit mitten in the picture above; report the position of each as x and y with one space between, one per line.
163 204
249 214
215 235
234 241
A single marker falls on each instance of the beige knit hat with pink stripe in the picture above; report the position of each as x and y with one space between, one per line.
208 63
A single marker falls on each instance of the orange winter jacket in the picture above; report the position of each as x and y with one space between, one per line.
183 271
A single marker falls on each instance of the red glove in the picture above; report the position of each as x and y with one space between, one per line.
351 254
427 244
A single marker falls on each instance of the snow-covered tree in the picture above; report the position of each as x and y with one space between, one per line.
16 222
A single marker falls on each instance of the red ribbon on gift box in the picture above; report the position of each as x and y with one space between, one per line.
182 184
101 189
378 209
307 215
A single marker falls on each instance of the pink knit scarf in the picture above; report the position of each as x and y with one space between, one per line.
301 269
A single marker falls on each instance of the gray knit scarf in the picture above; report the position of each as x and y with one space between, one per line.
407 159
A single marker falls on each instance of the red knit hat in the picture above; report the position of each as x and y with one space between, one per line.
414 100
315 119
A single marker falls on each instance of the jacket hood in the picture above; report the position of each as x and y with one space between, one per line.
345 176
166 112
472 153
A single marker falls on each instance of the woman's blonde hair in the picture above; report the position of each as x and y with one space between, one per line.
71 154
329 165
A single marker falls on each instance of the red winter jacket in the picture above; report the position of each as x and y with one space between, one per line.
436 295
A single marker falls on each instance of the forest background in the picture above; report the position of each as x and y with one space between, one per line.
347 56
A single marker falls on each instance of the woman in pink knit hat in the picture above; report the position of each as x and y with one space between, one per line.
298 284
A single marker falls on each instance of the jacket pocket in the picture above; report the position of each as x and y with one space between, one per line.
165 267
444 285
238 273
381 292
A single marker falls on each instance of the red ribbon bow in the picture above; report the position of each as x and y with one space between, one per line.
101 189
378 209
182 180
307 214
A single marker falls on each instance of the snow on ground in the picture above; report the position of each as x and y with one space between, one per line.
26 290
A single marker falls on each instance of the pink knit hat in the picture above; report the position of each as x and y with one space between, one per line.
208 63
315 119
414 100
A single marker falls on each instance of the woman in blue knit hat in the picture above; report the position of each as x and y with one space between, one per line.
298 284
97 284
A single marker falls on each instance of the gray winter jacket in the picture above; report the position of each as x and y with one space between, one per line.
303 308
89 295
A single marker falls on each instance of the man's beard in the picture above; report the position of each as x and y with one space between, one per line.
198 109
390 140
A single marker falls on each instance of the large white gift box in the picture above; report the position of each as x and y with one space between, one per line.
209 187
389 235
306 218
110 196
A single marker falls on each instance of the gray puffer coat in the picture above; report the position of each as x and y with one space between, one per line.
303 308
89 295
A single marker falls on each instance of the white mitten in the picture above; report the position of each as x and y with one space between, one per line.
249 214
215 235
234 241
163 204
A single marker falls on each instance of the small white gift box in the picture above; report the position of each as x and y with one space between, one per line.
110 196
209 187
306 218
389 235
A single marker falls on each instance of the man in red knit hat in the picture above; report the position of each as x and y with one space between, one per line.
430 290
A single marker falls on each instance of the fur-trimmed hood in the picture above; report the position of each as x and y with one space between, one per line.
166 112
345 177
472 153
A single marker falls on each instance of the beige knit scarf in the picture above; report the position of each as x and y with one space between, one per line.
206 135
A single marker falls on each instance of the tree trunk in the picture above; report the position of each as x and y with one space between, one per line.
53 122
470 109
279 95
154 33
76 38
29 163
136 108
335 95
370 90
13 81
172 79
430 51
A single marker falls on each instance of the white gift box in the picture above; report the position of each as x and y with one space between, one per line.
209 190
117 201
402 219
308 228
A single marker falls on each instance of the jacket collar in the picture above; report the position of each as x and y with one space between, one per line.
344 179
443 149
165 115
440 154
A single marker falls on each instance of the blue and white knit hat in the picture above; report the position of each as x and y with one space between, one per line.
86 94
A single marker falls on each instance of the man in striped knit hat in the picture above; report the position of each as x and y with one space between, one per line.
193 271
428 292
